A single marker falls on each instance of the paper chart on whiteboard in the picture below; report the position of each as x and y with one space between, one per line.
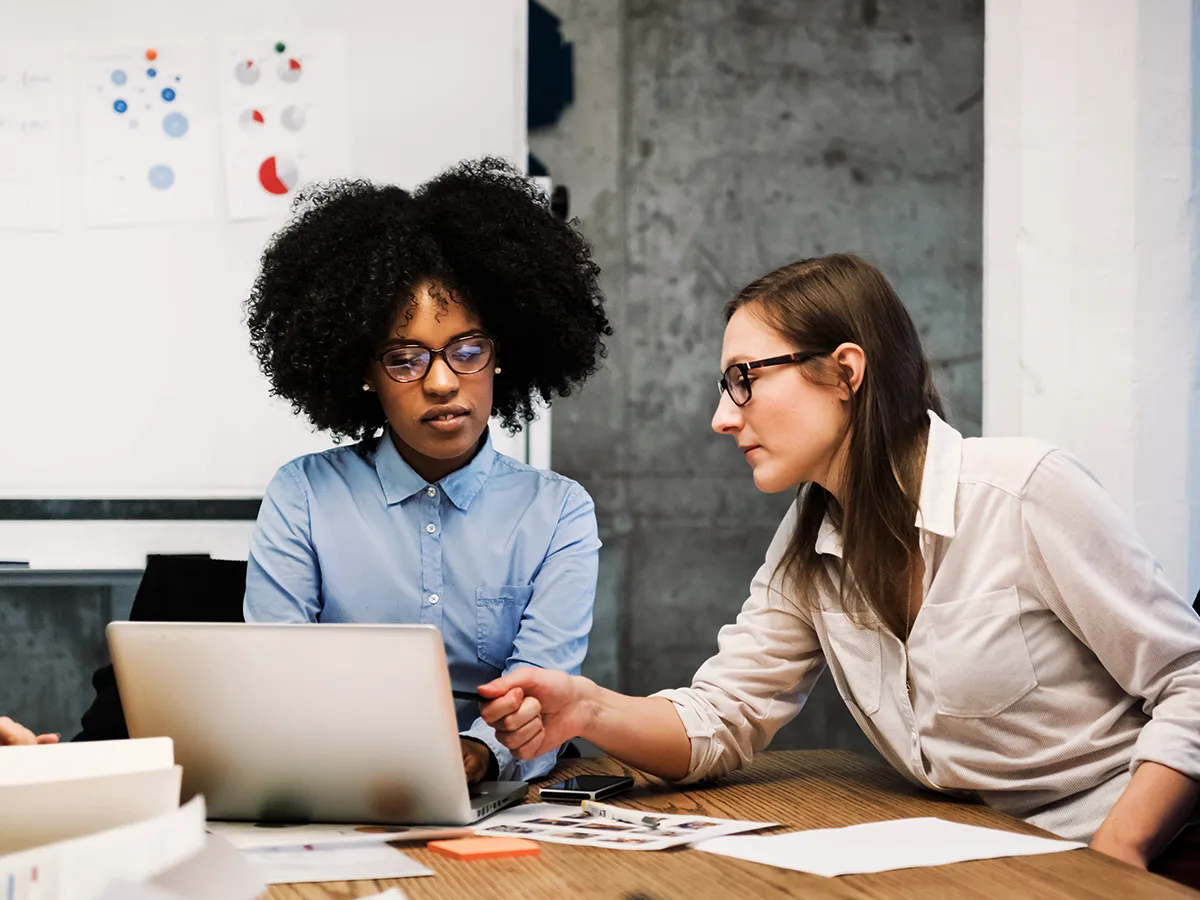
32 92
283 118
147 131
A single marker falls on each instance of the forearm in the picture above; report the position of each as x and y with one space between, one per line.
1154 806
644 732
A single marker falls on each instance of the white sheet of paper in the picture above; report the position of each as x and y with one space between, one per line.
298 865
32 99
284 119
219 872
49 811
882 846
84 759
148 128
561 824
389 894
132 890
253 835
83 868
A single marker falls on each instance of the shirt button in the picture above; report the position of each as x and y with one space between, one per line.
431 491
431 528
433 598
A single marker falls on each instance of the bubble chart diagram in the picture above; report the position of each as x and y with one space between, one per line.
278 175
247 71
290 69
292 118
161 177
175 124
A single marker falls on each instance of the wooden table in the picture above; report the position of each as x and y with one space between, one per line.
813 789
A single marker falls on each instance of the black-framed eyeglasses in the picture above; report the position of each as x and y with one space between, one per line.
736 379
465 356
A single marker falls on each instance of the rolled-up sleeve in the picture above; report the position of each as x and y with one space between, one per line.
1095 573
765 666
554 627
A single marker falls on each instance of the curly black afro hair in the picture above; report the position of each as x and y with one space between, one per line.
334 278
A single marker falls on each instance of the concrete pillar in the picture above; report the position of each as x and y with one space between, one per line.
1090 298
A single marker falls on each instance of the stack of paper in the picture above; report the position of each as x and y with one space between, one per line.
102 821
55 792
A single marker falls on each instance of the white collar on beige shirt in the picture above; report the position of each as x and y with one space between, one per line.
939 488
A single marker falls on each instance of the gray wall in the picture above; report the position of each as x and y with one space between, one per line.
710 142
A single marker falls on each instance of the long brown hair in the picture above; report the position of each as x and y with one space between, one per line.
820 304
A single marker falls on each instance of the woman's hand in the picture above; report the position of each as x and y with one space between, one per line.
536 710
12 733
476 759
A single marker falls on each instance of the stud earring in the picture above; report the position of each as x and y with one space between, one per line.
497 370
366 387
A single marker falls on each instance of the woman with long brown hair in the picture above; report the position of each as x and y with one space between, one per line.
992 620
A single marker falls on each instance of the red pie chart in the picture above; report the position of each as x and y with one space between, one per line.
278 175
251 119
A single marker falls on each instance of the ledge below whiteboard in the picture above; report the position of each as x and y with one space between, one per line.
117 545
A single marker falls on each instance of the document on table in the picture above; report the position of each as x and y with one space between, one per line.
218 872
560 824
882 846
365 862
262 835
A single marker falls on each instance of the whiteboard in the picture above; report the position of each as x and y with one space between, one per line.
125 370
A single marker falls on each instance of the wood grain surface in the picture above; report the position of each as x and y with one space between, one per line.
805 789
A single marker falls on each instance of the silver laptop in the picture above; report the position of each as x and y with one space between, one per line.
304 723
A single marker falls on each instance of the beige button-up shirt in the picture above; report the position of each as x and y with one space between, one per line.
1049 657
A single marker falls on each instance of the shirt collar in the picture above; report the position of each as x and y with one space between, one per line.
939 488
400 481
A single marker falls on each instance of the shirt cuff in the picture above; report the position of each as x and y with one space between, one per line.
507 766
1168 744
503 763
706 749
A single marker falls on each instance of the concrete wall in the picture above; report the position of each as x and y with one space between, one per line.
746 135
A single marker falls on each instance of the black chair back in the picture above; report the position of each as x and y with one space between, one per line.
173 589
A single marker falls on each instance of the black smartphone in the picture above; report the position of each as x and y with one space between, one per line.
587 787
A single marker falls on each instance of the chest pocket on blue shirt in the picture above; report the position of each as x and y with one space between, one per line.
499 611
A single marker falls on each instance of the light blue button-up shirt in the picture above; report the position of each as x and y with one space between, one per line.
500 556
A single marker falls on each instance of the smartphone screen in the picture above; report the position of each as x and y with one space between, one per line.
588 787
589 783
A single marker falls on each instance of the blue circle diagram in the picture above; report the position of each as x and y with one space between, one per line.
175 124
118 77
120 106
161 177
168 94
150 73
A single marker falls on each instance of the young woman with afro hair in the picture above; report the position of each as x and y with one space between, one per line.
402 322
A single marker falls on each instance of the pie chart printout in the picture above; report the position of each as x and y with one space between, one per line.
252 119
278 175
292 118
290 69
247 71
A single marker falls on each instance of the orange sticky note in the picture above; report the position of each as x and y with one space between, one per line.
484 848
